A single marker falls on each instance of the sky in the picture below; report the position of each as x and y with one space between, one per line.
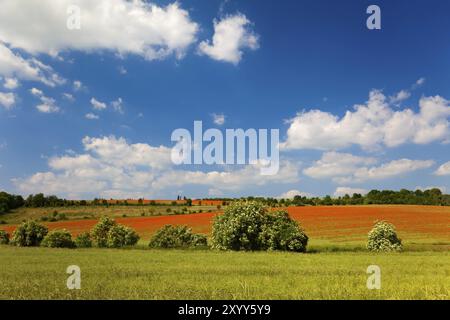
89 112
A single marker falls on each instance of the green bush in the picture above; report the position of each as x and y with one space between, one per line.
29 234
83 240
383 238
280 232
121 236
58 239
99 233
248 225
176 237
240 226
4 237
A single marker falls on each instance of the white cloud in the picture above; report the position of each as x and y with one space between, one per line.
443 170
92 116
345 168
342 191
68 97
7 100
112 167
97 105
117 105
371 125
400 96
122 70
292 193
218 119
231 36
120 26
47 105
77 85
11 83
13 65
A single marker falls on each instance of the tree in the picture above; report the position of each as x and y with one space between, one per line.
383 238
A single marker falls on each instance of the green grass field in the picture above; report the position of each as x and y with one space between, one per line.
39 273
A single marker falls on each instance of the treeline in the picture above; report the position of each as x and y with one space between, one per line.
9 202
428 197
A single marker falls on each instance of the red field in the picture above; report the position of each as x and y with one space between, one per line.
336 223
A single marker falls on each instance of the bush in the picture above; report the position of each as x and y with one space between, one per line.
99 233
121 236
83 240
240 226
176 237
58 239
4 237
29 234
249 226
280 232
383 238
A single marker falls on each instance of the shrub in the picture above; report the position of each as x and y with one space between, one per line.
29 234
280 232
120 236
99 233
239 227
83 240
58 239
383 238
176 237
4 237
247 225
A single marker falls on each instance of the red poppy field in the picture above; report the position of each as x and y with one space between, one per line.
422 224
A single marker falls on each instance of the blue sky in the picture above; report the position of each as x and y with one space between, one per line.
285 60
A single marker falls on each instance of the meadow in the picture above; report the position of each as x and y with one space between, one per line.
40 273
334 266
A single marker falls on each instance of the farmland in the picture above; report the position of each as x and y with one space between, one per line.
333 268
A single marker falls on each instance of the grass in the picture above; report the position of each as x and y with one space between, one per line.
39 273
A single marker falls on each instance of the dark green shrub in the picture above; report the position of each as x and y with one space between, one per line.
83 240
176 237
383 238
4 237
29 234
121 236
99 232
280 232
58 239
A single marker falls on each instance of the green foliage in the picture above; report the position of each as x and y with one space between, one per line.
248 225
9 202
121 236
4 237
29 234
99 233
240 226
107 233
83 240
383 238
176 237
280 232
58 239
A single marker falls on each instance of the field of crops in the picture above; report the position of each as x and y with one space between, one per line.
40 273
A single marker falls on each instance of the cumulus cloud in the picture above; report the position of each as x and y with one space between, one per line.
98 105
77 85
117 105
91 116
292 193
112 167
231 36
345 168
14 66
121 26
7 100
443 170
11 83
371 125
47 105
342 191
218 119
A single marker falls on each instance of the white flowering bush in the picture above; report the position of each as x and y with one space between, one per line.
177 237
29 234
248 225
58 239
383 238
121 236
